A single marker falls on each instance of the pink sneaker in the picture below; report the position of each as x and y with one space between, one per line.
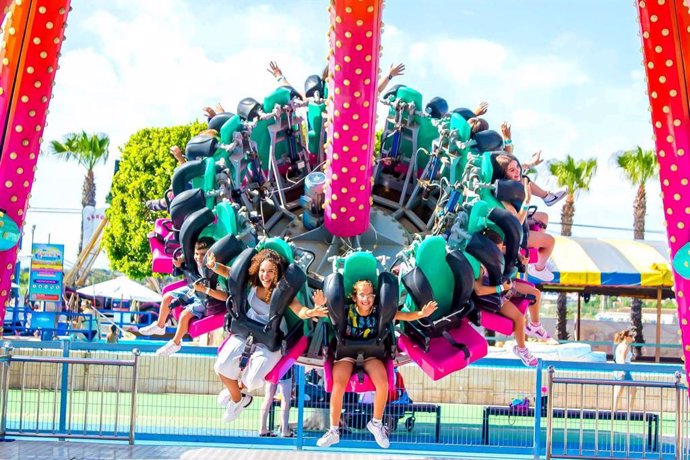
537 331
525 356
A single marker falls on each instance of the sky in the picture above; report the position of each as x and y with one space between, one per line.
568 76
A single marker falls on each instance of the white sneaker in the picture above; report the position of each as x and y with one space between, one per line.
328 439
223 398
379 432
234 409
152 329
168 349
525 356
544 275
552 198
537 331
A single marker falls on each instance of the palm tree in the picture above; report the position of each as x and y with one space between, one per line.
88 150
577 175
639 166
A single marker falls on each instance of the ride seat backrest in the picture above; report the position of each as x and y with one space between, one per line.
189 234
201 146
225 250
280 96
463 274
478 217
464 113
184 205
488 254
249 108
219 120
312 84
226 221
430 259
512 236
392 91
488 141
238 282
510 191
229 128
184 173
459 124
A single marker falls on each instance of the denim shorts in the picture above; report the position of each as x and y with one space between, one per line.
188 298
623 375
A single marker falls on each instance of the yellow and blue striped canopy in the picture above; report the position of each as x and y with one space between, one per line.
610 262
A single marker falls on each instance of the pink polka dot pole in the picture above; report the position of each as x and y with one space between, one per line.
665 27
355 37
32 36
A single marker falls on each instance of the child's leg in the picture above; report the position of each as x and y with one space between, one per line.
527 289
164 311
183 326
536 190
544 244
342 371
376 371
511 311
269 394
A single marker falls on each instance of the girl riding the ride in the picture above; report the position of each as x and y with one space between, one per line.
266 269
361 323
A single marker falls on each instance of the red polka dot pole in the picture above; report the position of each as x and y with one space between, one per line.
355 40
33 32
665 28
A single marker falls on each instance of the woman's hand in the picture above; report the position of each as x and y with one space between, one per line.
505 130
428 309
177 153
210 260
319 311
507 285
274 69
481 108
536 159
394 71
528 191
319 298
199 286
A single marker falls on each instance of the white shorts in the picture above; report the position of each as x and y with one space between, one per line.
261 362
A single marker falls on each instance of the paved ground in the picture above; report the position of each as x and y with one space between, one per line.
56 450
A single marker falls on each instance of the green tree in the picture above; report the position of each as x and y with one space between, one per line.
145 171
577 175
88 150
638 166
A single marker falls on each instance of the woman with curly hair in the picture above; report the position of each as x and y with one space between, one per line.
266 269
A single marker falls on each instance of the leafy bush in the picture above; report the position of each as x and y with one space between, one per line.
146 167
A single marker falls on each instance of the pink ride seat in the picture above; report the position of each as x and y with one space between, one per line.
201 326
287 360
499 323
354 386
161 248
442 358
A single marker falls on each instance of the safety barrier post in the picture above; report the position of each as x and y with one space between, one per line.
5 387
64 390
133 414
549 411
679 417
537 410
301 388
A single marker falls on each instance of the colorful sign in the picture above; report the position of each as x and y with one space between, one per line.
45 278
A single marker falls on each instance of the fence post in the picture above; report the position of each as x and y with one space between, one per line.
679 416
537 409
64 390
5 388
133 413
301 388
549 412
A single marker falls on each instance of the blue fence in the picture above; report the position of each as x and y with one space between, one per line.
176 402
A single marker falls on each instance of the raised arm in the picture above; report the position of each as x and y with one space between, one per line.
427 310
217 267
394 71
319 310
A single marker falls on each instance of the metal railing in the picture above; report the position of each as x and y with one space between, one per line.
586 431
68 397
